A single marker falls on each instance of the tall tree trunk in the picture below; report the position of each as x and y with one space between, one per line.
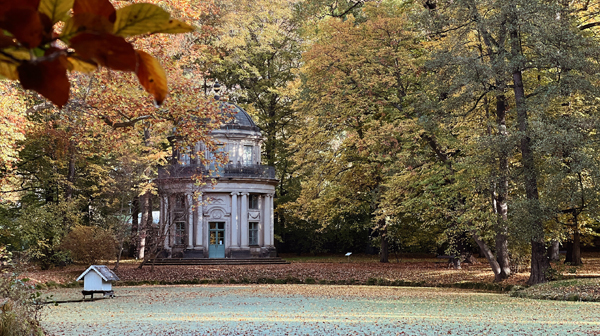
489 255
383 242
145 203
576 247
553 251
135 213
539 258
119 254
501 196
576 230
569 255
71 175
146 208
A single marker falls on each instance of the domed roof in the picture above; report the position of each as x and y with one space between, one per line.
239 119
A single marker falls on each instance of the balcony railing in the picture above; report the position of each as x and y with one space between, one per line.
229 170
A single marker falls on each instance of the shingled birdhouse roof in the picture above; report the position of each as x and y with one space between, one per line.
104 272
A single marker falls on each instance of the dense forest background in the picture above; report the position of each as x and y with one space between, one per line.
432 126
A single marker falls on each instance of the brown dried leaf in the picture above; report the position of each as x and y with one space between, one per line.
85 22
6 41
26 25
6 5
152 76
98 7
48 78
106 50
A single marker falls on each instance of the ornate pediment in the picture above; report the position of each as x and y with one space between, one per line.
215 213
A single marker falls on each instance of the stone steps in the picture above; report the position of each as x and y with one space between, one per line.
219 261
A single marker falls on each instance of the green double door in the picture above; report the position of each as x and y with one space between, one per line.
216 247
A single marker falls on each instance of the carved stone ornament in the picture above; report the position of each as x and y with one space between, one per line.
217 214
254 215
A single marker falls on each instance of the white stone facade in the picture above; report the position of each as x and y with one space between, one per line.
230 219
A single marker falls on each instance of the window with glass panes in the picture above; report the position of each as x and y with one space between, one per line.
179 219
253 201
253 233
247 156
179 233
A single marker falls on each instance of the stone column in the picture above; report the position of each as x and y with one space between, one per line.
190 221
234 221
164 220
271 219
244 220
266 230
199 221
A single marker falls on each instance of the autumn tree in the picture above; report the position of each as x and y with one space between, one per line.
512 59
107 119
358 79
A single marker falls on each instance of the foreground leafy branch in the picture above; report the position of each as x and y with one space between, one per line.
37 55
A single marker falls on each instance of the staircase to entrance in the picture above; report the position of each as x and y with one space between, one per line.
219 261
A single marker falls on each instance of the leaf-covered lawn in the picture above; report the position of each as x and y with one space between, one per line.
430 272
325 269
315 310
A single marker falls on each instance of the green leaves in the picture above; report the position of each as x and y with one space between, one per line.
139 19
56 10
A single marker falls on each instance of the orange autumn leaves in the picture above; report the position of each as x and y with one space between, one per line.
93 35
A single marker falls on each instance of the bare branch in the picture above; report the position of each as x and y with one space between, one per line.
589 25
123 124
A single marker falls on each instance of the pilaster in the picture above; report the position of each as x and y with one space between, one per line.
190 221
244 220
266 228
164 220
271 219
199 221
234 221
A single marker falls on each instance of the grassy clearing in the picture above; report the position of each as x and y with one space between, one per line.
568 290
314 310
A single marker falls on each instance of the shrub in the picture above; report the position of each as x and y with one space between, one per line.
20 304
89 244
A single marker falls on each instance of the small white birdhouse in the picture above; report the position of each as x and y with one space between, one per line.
98 279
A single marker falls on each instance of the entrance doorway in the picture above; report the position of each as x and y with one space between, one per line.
216 247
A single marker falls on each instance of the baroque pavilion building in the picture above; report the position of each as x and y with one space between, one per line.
232 218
